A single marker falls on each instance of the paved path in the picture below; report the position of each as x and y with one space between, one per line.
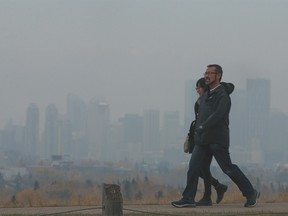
223 208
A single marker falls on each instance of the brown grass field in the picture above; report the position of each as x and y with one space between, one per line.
56 190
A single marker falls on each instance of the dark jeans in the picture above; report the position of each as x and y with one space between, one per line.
200 162
208 179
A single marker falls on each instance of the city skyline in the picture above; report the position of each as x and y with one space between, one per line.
136 54
64 112
85 130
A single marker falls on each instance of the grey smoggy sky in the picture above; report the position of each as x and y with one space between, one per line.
135 54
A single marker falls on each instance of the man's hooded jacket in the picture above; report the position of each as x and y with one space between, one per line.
212 125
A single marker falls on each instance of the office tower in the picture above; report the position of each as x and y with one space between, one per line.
276 152
98 120
132 127
258 110
12 140
76 113
239 127
66 143
51 131
171 135
258 101
238 118
190 99
115 141
32 141
151 132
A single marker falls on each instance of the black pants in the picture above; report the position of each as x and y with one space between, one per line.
200 162
208 179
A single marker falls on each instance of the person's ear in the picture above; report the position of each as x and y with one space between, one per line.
219 76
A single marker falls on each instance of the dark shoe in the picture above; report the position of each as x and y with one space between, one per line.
220 190
204 202
183 203
252 200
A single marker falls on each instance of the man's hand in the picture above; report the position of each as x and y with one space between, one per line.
199 130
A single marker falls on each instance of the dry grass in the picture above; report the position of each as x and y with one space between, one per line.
58 196
81 190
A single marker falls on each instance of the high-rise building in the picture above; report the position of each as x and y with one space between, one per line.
239 126
190 99
76 113
171 134
258 102
12 142
151 132
51 131
258 111
98 120
276 152
12 137
132 125
238 118
66 143
32 139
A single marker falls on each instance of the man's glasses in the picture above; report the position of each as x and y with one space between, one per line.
208 73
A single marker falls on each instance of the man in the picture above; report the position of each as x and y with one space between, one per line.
220 188
212 139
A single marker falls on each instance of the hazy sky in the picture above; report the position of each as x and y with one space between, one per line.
136 54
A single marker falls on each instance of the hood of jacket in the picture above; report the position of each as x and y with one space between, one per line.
229 87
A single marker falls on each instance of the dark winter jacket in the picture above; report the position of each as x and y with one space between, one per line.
212 125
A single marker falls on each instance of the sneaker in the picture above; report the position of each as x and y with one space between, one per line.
183 203
204 202
252 200
220 190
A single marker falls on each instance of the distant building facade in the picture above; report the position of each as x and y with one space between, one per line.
98 121
132 139
151 134
51 131
76 113
172 133
250 115
32 132
190 99
77 116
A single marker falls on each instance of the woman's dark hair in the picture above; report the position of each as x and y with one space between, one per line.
201 83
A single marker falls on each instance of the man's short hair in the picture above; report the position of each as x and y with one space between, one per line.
218 68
